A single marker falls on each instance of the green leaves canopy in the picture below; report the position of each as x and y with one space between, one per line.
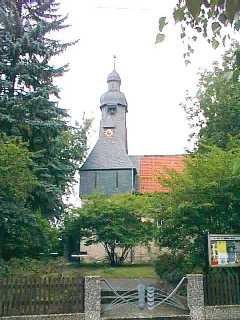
205 18
204 198
214 113
16 177
17 224
117 223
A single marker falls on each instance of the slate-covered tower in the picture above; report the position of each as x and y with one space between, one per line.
108 168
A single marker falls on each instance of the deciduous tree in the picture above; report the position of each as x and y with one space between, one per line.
212 20
117 223
214 112
204 198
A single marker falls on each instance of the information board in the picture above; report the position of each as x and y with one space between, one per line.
224 250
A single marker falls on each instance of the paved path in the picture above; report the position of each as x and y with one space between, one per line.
132 311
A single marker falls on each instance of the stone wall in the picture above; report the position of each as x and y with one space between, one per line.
198 311
195 299
195 296
92 301
73 316
222 312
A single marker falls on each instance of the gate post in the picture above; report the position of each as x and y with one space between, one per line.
195 296
92 298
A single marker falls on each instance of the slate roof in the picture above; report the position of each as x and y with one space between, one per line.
105 156
113 98
114 76
136 161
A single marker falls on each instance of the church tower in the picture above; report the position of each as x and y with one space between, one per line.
108 168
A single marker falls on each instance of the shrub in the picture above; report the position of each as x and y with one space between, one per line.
172 267
27 266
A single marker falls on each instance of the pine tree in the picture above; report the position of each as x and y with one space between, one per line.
29 109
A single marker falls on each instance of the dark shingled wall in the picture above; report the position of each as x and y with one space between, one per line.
106 181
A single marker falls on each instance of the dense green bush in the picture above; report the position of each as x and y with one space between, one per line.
27 266
172 267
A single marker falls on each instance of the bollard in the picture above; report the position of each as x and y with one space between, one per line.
150 297
141 296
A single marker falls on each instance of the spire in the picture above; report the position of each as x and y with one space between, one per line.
114 62
113 96
114 80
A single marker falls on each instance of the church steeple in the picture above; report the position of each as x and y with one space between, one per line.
109 162
114 80
113 96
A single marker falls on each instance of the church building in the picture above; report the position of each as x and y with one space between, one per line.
109 169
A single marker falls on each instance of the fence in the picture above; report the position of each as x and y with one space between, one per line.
222 288
46 295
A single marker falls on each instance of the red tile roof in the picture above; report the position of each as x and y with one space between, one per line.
151 167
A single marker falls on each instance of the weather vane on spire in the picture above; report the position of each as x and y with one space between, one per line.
114 61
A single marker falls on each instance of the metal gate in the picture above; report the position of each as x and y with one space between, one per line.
144 297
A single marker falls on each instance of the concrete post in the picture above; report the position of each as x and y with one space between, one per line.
92 298
195 296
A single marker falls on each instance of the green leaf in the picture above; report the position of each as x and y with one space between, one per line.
237 25
222 18
178 15
215 44
228 75
224 40
232 7
236 167
162 23
160 37
216 27
199 29
182 35
194 7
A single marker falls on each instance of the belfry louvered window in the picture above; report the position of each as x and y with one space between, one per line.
117 182
95 180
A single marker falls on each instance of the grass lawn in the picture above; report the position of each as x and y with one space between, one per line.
58 266
126 271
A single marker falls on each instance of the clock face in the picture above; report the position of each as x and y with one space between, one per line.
108 132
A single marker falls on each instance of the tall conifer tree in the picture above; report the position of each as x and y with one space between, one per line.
29 107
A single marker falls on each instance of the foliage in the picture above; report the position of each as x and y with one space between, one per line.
26 266
59 266
24 234
172 267
208 19
214 113
17 225
117 223
204 198
71 234
16 177
128 271
29 109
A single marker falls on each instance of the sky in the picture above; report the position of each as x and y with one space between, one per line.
154 77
